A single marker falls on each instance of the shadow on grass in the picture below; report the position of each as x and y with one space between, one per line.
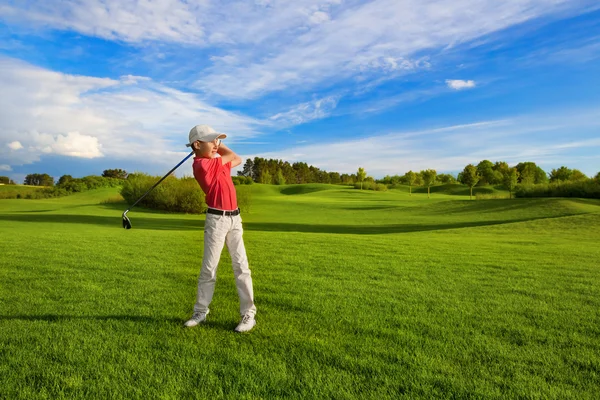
220 325
57 318
195 225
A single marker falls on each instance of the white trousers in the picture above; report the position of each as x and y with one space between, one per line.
220 230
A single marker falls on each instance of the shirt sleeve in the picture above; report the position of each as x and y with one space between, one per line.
210 167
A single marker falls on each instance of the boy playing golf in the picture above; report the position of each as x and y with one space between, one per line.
223 224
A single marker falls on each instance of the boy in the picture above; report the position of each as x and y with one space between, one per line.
223 224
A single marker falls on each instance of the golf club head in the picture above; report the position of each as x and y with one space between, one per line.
126 221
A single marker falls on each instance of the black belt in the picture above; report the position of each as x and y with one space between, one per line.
225 213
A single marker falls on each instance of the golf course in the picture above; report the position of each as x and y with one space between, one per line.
360 295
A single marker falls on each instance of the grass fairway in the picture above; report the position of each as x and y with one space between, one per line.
360 294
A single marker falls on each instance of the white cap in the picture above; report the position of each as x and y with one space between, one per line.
204 133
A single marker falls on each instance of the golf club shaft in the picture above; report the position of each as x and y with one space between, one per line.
156 184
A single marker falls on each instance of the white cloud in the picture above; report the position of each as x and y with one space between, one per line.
85 117
76 145
319 17
458 84
267 46
128 20
366 40
5 167
305 112
16 145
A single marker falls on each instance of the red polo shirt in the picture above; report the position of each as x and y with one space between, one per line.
215 180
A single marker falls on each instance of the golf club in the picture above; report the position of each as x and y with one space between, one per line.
126 221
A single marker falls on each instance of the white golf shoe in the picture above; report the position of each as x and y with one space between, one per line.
247 323
197 318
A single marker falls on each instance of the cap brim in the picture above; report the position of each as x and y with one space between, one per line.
209 138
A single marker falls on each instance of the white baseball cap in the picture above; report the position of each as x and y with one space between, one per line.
204 133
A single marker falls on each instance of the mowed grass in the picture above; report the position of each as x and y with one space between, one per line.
359 294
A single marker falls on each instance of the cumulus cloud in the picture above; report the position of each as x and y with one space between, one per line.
458 84
76 145
16 145
46 112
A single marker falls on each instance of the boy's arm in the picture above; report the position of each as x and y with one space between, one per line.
227 155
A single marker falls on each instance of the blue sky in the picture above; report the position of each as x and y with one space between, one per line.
388 85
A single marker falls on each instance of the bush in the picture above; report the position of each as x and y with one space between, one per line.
370 185
180 195
491 196
582 189
242 180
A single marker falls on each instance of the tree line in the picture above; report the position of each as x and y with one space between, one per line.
488 173
47 180
279 172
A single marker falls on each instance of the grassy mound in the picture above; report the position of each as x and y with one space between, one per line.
455 189
291 190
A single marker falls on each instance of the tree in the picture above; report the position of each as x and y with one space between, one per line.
411 178
511 178
446 178
257 168
64 179
597 177
39 180
5 180
540 175
561 174
115 173
419 179
500 169
470 177
347 179
265 177
279 178
247 170
578 176
530 173
429 176
361 175
485 169
334 177
526 173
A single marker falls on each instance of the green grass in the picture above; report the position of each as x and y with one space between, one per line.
360 294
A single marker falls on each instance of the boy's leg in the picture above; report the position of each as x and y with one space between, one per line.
241 271
215 231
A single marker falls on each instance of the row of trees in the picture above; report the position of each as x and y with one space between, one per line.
281 172
5 180
47 180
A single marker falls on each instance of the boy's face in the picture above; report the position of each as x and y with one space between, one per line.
207 149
